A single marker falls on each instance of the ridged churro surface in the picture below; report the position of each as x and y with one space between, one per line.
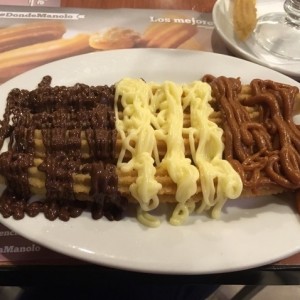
168 35
30 33
244 18
19 60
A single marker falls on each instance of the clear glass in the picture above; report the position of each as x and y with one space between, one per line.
279 33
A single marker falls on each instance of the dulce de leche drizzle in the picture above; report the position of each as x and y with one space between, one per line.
62 114
265 152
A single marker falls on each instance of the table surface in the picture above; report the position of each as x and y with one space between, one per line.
285 272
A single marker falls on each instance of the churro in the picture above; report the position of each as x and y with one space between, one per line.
244 18
30 33
168 35
19 60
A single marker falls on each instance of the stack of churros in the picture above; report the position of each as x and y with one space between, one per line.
192 146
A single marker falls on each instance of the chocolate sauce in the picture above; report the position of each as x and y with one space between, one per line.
265 151
62 114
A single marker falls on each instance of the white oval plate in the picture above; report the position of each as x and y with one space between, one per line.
251 232
222 18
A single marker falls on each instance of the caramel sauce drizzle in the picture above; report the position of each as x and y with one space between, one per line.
265 152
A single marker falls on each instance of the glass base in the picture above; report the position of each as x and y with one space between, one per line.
278 36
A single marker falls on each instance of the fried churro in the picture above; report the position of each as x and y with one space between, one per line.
19 60
30 33
244 18
168 35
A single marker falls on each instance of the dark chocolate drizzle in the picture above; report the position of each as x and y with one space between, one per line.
61 114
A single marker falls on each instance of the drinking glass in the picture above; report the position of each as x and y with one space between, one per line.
279 33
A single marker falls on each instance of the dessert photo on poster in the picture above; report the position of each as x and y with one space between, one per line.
46 3
31 37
